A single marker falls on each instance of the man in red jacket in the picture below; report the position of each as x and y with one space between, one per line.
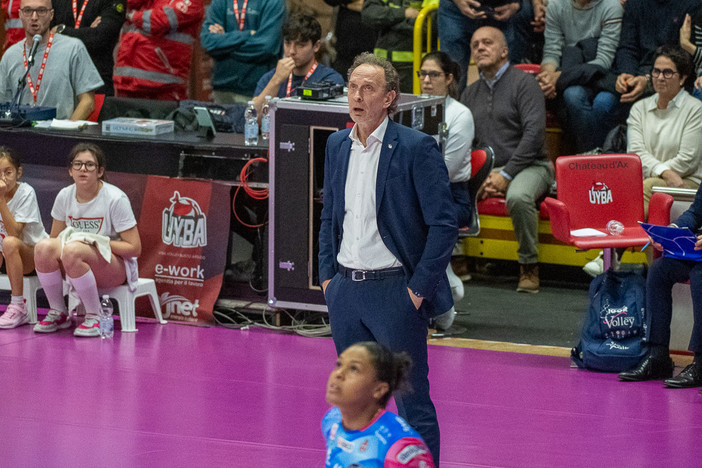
14 31
155 50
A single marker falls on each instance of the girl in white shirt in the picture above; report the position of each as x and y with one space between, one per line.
20 229
91 206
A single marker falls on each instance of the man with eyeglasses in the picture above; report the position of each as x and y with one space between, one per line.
62 76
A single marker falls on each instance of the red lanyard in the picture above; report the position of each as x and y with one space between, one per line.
41 69
239 19
309 73
79 18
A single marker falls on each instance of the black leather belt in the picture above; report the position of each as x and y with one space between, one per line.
363 275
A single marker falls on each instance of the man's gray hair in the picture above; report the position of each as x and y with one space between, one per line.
392 78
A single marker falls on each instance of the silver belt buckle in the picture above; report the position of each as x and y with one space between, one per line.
358 278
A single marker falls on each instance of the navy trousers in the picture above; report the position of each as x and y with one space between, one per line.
382 311
662 276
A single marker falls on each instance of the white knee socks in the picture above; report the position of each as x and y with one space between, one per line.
86 287
52 283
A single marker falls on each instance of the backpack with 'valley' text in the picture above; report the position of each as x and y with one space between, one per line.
614 337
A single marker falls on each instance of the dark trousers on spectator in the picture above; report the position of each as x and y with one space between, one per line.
662 276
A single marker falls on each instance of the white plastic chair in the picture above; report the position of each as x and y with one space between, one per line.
126 299
31 285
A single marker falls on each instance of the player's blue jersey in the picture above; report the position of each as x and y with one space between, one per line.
387 442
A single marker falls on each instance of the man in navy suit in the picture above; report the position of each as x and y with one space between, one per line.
387 232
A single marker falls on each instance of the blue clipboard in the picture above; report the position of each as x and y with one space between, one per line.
677 242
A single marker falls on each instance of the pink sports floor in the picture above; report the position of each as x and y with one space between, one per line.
182 396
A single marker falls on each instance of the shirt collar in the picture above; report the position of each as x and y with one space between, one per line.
498 75
675 102
378 134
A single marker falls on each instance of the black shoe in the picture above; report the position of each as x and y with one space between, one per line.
690 377
651 368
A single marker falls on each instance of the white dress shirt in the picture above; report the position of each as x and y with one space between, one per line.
361 245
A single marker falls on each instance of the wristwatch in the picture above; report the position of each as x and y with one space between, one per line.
60 28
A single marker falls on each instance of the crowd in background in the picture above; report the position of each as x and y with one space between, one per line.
598 66
596 56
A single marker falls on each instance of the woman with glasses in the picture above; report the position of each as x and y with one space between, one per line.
94 242
439 76
665 129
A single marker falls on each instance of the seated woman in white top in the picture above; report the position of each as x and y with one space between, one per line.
20 229
665 129
439 76
100 216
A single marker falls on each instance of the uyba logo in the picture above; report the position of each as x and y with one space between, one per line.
183 223
600 194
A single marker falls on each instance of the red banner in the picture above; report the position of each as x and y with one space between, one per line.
184 228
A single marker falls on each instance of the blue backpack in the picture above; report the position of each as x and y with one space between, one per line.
615 333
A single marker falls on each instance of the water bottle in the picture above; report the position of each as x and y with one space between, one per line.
615 228
266 119
107 323
250 125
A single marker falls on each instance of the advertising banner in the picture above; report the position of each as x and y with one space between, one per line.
184 227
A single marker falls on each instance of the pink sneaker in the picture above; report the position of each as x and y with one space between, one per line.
14 316
89 327
53 321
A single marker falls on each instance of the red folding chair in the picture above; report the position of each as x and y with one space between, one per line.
595 189
482 161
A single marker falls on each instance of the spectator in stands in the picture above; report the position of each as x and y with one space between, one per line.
244 45
20 228
665 129
97 24
691 41
663 274
580 40
510 116
439 76
459 19
646 25
358 431
94 242
155 50
14 31
353 36
394 22
67 81
301 41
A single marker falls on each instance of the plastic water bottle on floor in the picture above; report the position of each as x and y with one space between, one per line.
266 119
107 323
250 125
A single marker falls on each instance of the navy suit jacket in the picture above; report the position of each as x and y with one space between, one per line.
692 218
414 208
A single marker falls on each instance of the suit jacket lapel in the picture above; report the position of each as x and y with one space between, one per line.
344 156
386 153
